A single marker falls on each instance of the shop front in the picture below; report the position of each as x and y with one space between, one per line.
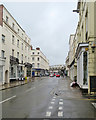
82 65
28 69
2 64
13 68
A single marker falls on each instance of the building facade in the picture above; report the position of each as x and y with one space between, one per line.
15 49
57 69
86 50
40 64
82 47
72 59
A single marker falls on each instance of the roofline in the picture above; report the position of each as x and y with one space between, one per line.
12 16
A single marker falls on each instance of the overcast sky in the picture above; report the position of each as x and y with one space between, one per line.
49 26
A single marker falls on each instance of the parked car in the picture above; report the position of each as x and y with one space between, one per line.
51 75
57 75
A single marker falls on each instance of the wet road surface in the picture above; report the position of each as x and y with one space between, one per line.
46 98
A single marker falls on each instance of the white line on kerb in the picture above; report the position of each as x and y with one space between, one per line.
8 99
48 114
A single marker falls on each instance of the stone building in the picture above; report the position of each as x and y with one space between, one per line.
15 49
86 50
40 64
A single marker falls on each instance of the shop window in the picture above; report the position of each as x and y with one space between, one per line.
85 68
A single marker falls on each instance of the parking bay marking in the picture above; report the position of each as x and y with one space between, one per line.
8 99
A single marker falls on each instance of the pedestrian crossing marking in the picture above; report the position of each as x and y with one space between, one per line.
52 102
60 103
60 114
48 114
61 99
53 99
60 108
50 107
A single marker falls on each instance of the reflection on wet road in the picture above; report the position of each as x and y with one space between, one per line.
46 98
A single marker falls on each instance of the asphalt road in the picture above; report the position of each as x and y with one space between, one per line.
46 98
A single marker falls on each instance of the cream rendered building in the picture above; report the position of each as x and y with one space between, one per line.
72 60
86 50
15 52
40 64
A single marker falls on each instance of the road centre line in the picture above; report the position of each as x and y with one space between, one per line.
30 89
7 99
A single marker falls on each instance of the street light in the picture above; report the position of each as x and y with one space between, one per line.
76 10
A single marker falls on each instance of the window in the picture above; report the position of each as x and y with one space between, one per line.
32 58
33 53
28 59
13 25
12 52
22 46
25 47
12 39
6 19
38 53
3 38
85 65
17 43
18 30
38 58
22 58
2 53
18 55
33 65
25 58
38 65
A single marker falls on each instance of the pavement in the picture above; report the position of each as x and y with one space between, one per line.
46 98
16 83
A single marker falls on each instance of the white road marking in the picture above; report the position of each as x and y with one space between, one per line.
60 103
60 114
61 99
48 114
8 99
52 102
60 108
50 107
53 99
30 89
